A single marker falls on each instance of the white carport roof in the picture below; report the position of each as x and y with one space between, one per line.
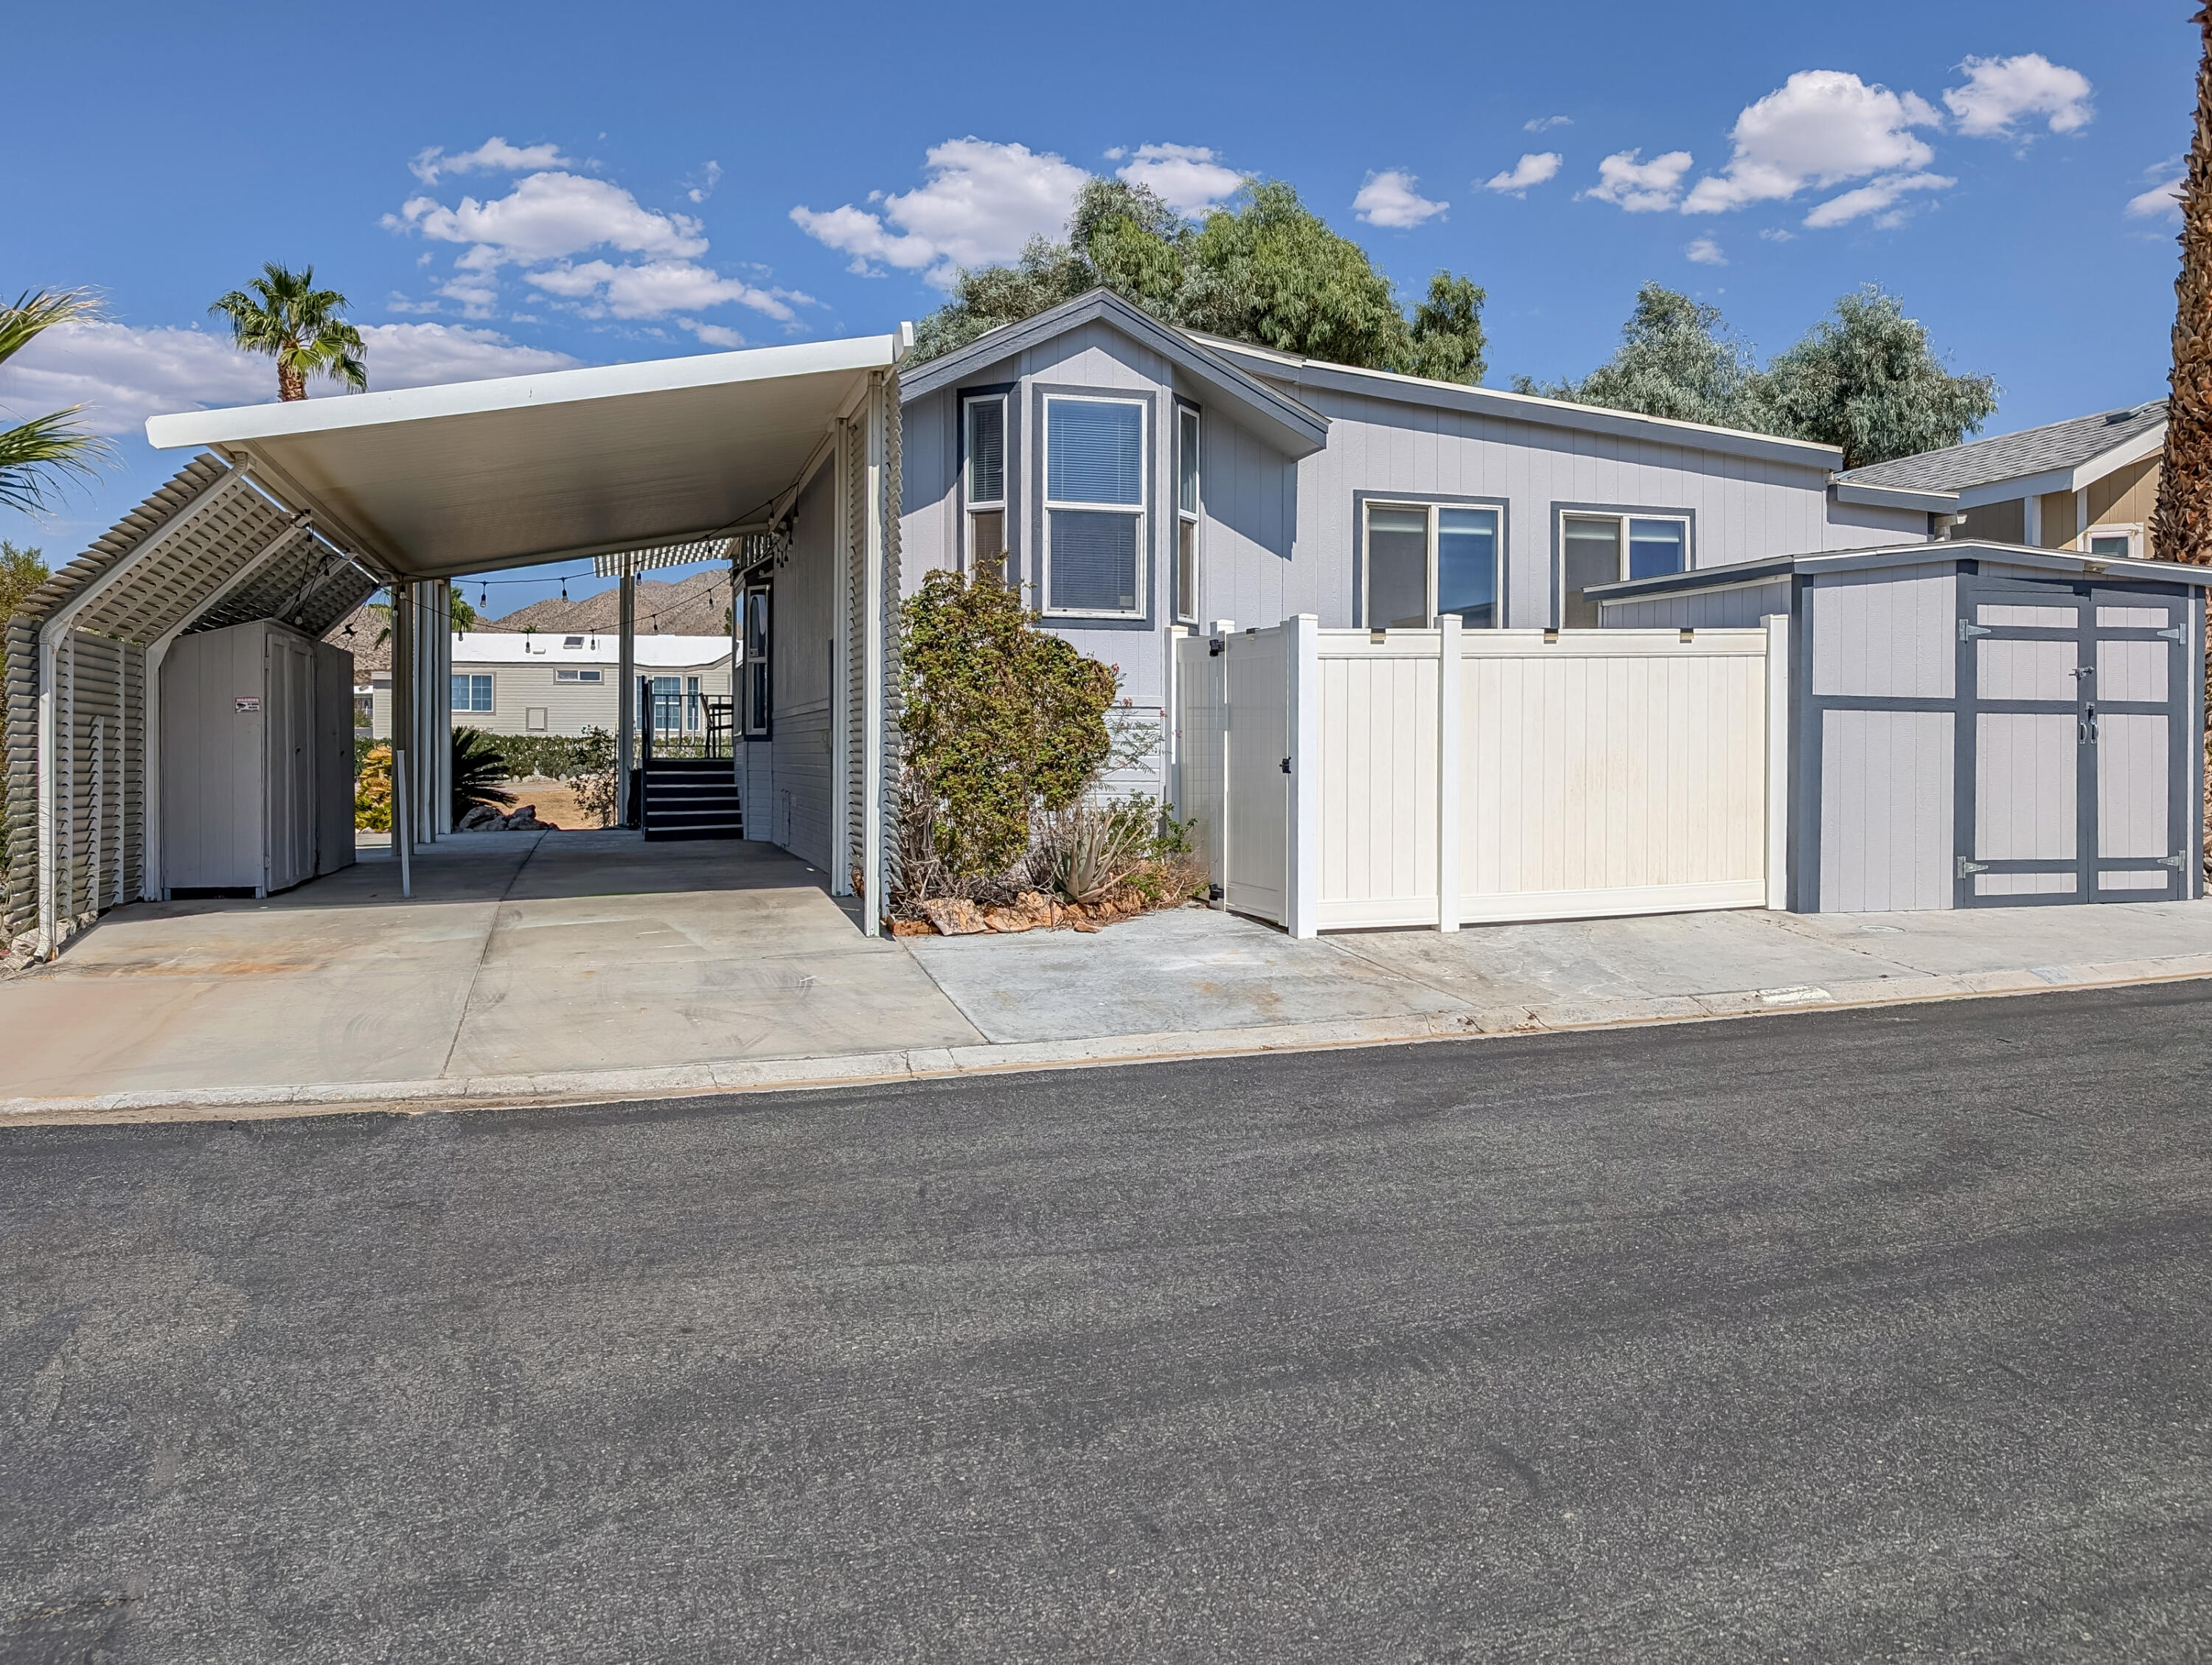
476 476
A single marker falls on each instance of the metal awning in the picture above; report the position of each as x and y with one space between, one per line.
474 477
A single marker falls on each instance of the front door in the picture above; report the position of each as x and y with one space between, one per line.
2073 768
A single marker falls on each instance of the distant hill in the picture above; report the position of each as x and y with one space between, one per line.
694 606
356 633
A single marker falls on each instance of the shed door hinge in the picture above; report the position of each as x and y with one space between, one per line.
1968 629
2178 632
1286 766
1967 865
2177 862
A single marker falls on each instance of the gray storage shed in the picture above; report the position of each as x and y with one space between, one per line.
1974 725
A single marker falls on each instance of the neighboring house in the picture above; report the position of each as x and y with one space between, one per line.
528 683
2087 484
1143 481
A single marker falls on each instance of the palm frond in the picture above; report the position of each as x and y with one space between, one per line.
37 456
36 310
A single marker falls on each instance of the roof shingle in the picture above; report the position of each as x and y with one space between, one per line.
2013 456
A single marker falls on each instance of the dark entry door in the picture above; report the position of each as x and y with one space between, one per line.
2074 769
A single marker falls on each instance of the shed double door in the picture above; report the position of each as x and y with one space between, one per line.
290 708
2075 771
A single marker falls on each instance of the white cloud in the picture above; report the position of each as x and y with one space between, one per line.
1821 127
1705 251
126 374
1999 91
1545 124
715 335
546 217
981 203
1188 178
1640 187
2164 197
654 288
711 177
1533 169
1873 197
495 154
1776 234
1389 199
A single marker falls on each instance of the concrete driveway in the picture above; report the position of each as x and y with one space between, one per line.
520 954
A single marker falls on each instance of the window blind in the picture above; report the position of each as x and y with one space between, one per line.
1094 452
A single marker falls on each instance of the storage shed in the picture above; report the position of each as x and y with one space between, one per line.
1972 724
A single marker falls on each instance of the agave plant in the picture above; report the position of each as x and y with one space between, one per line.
37 455
478 768
1089 849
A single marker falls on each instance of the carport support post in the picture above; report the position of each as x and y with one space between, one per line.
1302 734
625 690
402 722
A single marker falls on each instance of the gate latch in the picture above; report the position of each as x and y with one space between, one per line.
1214 646
1286 766
1966 865
1968 629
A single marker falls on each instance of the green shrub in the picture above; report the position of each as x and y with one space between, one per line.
999 720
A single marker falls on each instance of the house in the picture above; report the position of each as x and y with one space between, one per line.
2087 484
565 683
1141 481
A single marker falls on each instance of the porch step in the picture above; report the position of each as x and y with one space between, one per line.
692 798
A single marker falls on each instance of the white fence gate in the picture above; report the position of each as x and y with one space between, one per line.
1347 778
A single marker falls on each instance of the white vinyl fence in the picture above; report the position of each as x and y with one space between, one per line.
1341 779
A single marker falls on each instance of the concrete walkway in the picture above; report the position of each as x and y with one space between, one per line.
591 965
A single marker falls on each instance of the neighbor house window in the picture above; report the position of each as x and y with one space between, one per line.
1186 571
692 719
756 684
2111 543
1094 492
983 482
472 693
576 676
1604 549
1425 559
667 705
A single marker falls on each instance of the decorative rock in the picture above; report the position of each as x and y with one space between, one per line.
1009 921
913 927
481 818
954 916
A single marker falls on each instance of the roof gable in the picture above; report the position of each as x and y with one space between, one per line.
2098 442
1299 431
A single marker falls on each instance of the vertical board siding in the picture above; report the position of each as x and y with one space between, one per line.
2131 783
2026 782
2133 671
1258 865
1378 761
1885 810
1201 735
1890 634
1736 607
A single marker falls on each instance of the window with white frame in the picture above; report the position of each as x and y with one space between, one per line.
2111 543
1186 570
577 676
1094 505
984 479
472 693
1604 549
1425 559
755 685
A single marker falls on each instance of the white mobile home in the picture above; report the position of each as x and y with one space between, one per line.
557 682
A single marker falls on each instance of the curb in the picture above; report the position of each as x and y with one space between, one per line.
934 1063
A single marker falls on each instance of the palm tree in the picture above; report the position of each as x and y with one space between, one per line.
298 325
36 455
2181 525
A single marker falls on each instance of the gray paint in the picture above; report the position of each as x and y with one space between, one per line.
1727 607
789 783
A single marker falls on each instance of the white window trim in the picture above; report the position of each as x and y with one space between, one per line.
472 708
1141 577
1429 575
1194 517
970 506
2130 530
1622 517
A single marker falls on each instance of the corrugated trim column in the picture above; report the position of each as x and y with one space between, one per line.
892 771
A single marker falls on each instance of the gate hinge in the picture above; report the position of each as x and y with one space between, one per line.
1968 629
1214 646
1967 865
2178 632
2177 862
1286 766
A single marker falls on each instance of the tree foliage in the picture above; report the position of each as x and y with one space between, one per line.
478 767
1265 270
999 720
1864 378
21 571
2181 524
290 320
38 454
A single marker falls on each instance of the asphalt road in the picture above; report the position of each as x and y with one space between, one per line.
1853 1336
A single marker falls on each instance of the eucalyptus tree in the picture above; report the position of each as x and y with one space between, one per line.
290 320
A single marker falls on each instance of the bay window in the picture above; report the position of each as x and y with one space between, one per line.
1186 570
1094 505
1604 549
1425 559
984 479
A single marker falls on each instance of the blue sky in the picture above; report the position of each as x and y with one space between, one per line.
678 179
